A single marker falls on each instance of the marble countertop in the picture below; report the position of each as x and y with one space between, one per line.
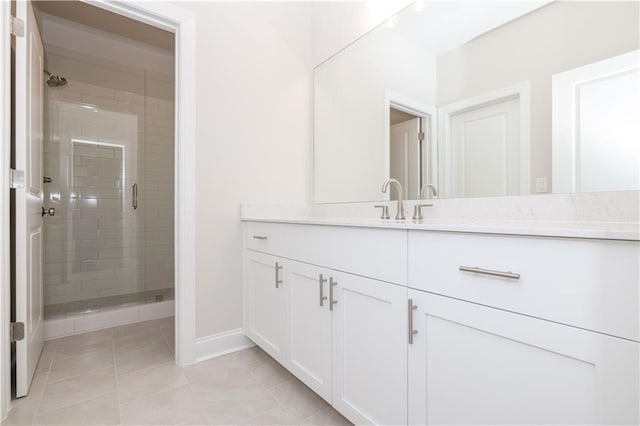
586 229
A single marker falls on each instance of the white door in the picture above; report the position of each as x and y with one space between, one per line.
405 157
485 150
369 350
266 303
309 323
596 131
29 88
470 364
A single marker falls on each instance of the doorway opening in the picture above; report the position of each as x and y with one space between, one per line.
412 150
99 158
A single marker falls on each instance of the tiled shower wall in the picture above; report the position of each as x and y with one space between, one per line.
101 139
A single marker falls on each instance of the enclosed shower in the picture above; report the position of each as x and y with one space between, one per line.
109 192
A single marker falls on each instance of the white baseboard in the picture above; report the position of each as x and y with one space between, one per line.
221 344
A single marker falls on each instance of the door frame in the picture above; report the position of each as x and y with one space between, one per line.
182 23
426 113
446 113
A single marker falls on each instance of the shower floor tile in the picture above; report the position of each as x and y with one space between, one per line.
137 385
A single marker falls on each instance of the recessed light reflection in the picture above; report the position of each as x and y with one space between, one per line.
91 107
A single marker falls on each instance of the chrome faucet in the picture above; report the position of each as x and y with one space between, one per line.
400 210
426 186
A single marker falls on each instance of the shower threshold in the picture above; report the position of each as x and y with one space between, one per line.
64 319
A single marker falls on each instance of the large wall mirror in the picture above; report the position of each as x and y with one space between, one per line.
482 98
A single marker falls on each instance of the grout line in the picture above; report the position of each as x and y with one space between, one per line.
115 372
44 386
270 389
61 407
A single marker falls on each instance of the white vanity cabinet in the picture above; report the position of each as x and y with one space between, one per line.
265 303
471 364
342 334
531 330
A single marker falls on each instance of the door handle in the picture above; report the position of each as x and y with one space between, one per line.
278 280
50 211
412 332
332 284
491 272
321 281
134 196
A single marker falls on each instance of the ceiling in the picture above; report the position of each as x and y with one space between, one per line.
104 20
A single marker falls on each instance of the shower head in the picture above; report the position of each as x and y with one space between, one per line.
55 80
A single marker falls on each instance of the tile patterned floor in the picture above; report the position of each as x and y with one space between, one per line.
126 375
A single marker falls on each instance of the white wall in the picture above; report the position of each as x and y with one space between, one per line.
254 141
253 135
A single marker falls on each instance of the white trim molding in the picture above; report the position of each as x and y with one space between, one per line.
520 91
220 344
183 23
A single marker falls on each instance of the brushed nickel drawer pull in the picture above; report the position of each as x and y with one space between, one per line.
412 332
332 302
259 237
278 280
321 281
477 270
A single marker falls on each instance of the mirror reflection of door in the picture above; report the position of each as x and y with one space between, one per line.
595 125
485 150
405 153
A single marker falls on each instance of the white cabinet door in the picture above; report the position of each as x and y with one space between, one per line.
470 364
369 350
309 326
265 303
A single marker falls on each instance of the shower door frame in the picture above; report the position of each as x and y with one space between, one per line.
182 23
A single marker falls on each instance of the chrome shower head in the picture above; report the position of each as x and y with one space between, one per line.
55 80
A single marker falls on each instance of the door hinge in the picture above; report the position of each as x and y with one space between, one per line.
17 27
16 331
16 179
421 136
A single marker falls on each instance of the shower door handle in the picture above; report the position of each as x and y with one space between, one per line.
134 196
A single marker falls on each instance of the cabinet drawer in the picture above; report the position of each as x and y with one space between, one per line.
265 237
370 252
591 284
